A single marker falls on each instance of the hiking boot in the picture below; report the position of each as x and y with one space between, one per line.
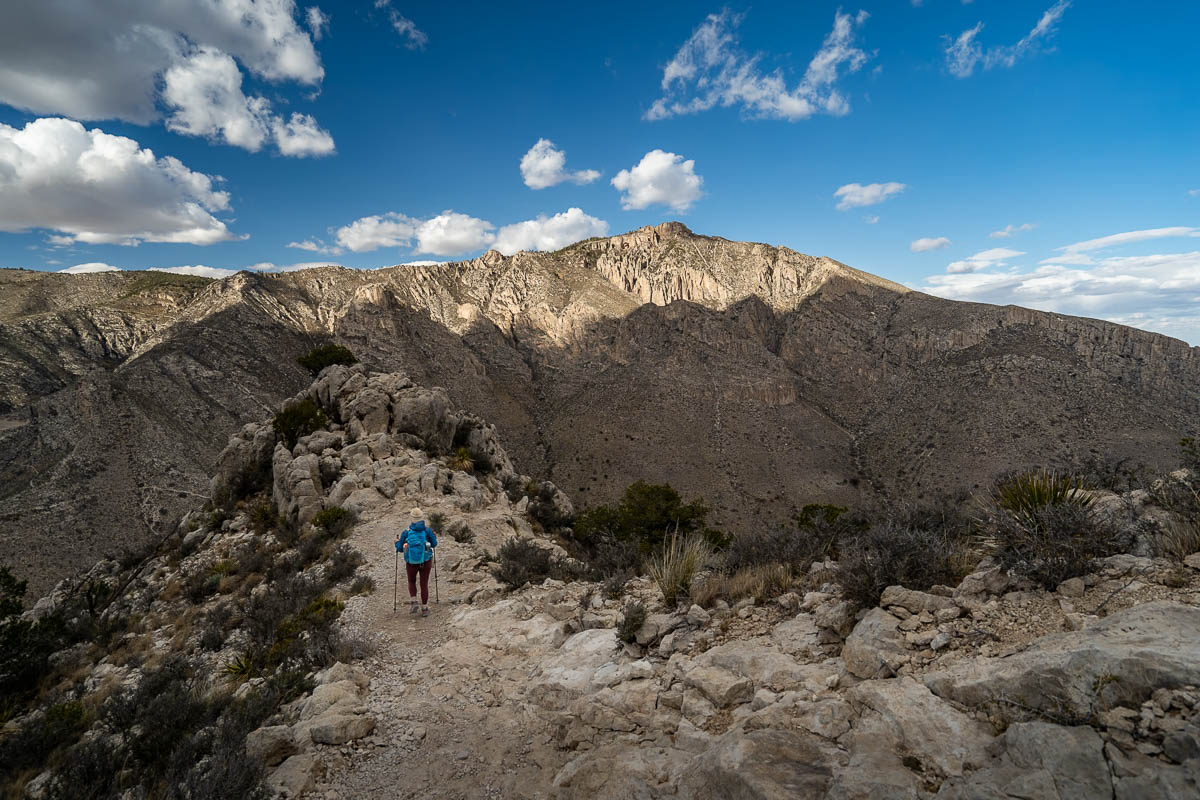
425 611
413 609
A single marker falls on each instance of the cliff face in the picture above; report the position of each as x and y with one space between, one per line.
754 376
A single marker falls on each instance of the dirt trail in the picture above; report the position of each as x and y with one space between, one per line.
447 727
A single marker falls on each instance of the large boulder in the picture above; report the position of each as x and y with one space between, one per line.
1120 660
298 491
874 648
247 454
426 414
765 764
341 728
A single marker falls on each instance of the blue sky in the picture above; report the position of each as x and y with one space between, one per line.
354 129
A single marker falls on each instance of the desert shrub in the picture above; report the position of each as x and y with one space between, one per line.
1189 454
25 646
1054 543
1024 495
1178 538
90 773
675 566
264 518
343 561
363 584
458 530
813 536
297 420
646 515
520 561
1111 472
324 356
306 637
334 521
763 582
633 616
891 554
32 745
462 459
613 586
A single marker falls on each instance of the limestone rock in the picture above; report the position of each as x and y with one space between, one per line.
873 649
271 744
764 765
913 601
332 728
722 687
295 776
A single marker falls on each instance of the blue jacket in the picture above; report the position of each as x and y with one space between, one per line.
419 549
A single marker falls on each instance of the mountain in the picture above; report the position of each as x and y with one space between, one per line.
754 376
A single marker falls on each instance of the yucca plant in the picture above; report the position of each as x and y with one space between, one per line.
462 460
241 666
1026 495
675 566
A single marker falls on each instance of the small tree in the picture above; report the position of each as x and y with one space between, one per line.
646 515
324 356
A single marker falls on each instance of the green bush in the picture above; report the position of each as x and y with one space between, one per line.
813 536
462 460
327 355
633 616
646 515
1025 495
334 521
297 420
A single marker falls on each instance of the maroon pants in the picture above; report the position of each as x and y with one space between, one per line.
413 571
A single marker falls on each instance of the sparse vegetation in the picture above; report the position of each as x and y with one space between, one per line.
334 521
1054 543
646 516
297 420
521 560
677 564
763 582
462 460
892 553
324 356
1025 495
633 616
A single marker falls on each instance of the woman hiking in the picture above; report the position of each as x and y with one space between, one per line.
417 543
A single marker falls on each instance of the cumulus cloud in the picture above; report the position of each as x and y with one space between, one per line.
545 165
371 233
855 195
964 52
96 188
924 245
549 233
133 59
1158 292
710 69
451 233
205 91
414 38
91 266
995 257
1008 230
318 22
659 177
454 234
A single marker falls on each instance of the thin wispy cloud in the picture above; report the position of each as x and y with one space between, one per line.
985 259
964 52
316 246
711 69
856 195
414 37
926 244
1009 231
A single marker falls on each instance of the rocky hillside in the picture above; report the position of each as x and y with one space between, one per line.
753 376
248 654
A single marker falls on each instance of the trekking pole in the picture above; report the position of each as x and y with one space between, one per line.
396 583
437 598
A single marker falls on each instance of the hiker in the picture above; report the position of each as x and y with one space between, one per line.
417 543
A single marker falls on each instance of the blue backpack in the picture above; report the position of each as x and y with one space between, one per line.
417 539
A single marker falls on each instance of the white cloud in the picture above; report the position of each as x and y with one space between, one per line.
710 70
92 61
415 39
316 247
205 91
1194 192
964 53
97 188
451 233
995 257
855 195
198 270
318 22
659 177
544 165
1160 291
1008 230
1130 237
549 233
372 233
924 245
92 266
871 219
